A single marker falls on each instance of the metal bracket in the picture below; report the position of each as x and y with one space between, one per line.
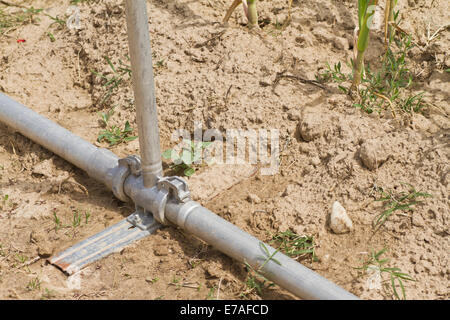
141 219
127 166
165 187
177 185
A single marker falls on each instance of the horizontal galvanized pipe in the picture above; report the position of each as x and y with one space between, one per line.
243 247
102 165
99 163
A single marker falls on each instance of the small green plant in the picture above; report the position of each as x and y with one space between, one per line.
187 157
34 284
4 201
105 116
210 295
87 214
59 22
76 219
256 281
386 88
115 135
154 280
57 221
51 36
403 201
294 245
16 19
333 74
396 276
111 83
48 294
366 10
21 258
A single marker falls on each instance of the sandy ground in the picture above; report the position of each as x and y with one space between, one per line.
225 78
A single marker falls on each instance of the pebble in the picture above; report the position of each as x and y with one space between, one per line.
340 222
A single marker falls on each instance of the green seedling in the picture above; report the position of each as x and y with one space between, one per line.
396 276
400 201
76 219
51 36
211 295
87 214
13 20
114 135
154 280
256 281
57 221
189 155
294 245
105 116
4 201
61 23
48 294
366 10
386 88
113 82
34 284
21 258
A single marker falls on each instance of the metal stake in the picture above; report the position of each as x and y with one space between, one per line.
144 90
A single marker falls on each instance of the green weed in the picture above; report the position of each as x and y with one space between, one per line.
256 281
57 221
3 201
112 83
394 201
396 276
115 135
18 18
294 245
87 214
48 294
211 295
187 157
34 284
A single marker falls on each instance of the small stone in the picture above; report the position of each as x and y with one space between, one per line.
253 198
340 222
373 153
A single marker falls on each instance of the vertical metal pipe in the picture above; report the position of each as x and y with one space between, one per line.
144 90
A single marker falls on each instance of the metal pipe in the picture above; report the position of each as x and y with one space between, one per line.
102 165
243 247
144 90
